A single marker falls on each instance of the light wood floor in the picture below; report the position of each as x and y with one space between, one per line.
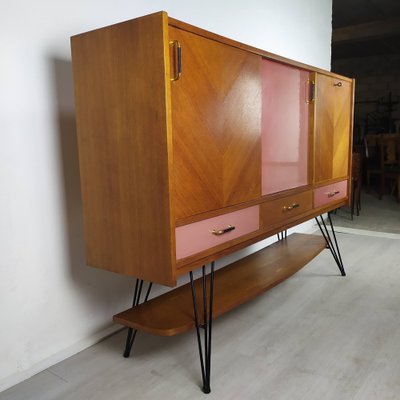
375 215
315 336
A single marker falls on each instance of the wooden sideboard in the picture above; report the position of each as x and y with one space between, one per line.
239 135
193 146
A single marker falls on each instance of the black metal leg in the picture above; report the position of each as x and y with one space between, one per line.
130 338
204 353
282 235
332 245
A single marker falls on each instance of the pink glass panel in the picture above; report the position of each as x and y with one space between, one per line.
327 194
196 237
284 127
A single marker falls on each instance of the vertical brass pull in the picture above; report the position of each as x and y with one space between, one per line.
177 59
310 91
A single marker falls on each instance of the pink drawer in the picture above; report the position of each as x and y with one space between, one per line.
330 193
202 235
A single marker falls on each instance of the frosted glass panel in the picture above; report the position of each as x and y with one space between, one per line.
284 127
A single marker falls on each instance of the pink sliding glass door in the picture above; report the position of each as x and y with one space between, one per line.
285 117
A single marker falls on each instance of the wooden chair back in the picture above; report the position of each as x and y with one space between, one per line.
389 146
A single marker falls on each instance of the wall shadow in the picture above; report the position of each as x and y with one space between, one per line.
108 290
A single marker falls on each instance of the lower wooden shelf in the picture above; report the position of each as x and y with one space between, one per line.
172 312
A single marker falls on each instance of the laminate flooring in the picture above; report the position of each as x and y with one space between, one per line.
315 336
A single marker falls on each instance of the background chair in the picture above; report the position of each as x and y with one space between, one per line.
384 161
356 178
390 159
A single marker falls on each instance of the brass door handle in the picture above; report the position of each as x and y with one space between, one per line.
219 232
310 91
339 84
178 60
291 207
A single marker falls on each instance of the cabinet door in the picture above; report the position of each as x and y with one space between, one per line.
216 125
332 135
285 116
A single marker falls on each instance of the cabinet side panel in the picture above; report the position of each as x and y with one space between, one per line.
120 92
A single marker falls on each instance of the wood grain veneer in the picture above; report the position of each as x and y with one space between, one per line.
266 54
172 313
277 211
332 123
121 111
216 119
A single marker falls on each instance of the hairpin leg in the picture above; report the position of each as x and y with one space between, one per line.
136 300
204 352
282 235
332 245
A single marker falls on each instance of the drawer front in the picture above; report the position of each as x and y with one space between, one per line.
202 235
330 193
276 211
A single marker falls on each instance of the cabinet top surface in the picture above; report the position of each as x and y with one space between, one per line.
213 36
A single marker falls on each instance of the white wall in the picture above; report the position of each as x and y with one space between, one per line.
51 305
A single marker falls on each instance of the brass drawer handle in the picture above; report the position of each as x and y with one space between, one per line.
219 232
339 84
333 193
291 207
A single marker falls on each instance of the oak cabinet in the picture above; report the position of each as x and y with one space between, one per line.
192 145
